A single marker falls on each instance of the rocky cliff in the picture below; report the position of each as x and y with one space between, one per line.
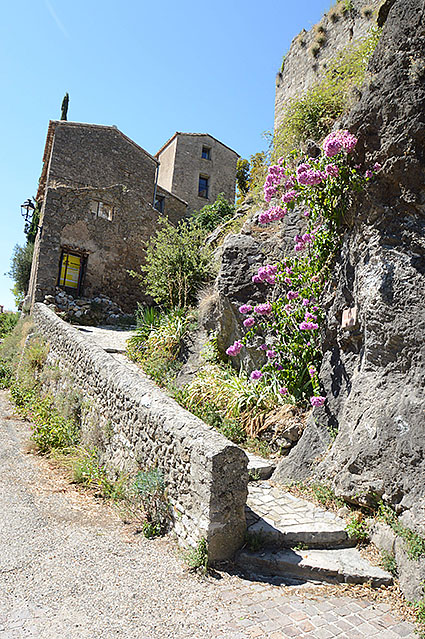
372 372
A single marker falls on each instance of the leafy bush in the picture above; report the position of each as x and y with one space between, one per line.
149 488
212 215
51 430
20 267
357 528
8 322
6 374
177 263
389 563
312 115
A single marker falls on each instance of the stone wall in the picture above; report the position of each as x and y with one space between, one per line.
135 426
337 30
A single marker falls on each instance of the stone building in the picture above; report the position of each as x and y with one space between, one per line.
197 167
100 199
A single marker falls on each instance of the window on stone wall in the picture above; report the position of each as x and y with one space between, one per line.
160 203
203 186
206 153
102 209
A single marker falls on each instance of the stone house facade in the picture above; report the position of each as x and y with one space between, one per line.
100 200
197 167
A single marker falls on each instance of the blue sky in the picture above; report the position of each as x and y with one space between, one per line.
150 68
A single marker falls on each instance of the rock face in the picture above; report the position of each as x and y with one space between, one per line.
373 373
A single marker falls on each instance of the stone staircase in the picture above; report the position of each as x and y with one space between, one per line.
294 541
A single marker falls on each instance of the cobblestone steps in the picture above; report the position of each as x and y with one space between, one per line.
343 565
297 540
281 519
259 468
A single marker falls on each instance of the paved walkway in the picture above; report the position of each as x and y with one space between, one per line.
70 569
110 338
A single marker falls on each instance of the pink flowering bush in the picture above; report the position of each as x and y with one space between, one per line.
289 321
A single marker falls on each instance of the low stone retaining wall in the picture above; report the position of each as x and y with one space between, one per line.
137 426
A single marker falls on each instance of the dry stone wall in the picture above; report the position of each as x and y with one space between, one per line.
307 60
136 426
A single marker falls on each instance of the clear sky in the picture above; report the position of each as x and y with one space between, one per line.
150 68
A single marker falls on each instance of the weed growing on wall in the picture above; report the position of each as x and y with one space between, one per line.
289 319
414 543
197 558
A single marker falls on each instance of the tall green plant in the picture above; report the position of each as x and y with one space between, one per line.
177 263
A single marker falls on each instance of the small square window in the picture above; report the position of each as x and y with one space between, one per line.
159 203
206 153
101 209
203 187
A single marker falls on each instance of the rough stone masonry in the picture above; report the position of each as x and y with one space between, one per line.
136 426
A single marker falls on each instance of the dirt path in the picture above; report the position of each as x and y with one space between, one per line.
70 569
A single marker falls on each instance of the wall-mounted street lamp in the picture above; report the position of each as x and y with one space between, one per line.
27 210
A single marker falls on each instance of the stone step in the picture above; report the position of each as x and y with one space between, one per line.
279 519
344 565
259 468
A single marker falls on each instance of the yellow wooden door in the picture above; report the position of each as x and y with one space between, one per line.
70 270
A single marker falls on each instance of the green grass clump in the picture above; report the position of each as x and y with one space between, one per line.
149 489
197 558
156 345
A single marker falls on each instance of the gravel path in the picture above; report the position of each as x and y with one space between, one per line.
70 569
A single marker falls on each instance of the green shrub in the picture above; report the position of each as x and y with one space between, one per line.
6 374
51 430
20 267
388 562
357 528
8 322
177 263
212 215
149 488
